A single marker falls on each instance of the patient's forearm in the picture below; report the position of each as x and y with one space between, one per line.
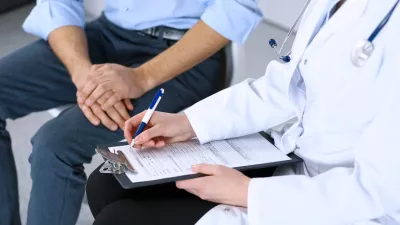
70 45
198 44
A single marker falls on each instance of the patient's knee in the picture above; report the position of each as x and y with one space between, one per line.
55 144
47 144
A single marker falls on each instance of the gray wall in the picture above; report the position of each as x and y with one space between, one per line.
281 12
94 7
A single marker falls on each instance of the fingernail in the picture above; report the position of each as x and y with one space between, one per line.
138 140
80 99
88 102
97 122
194 167
114 127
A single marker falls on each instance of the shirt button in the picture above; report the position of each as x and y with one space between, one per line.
227 209
305 62
126 9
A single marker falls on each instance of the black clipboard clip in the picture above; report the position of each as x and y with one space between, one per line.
116 163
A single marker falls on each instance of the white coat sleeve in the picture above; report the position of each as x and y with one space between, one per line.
368 191
248 107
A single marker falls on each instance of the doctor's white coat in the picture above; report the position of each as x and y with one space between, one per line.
341 119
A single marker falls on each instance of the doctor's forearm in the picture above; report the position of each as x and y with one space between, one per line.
198 44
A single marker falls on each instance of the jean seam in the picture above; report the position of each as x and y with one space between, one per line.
64 200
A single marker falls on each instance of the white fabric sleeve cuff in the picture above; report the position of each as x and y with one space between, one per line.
240 110
197 124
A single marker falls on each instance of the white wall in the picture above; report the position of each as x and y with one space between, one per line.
251 59
281 12
94 7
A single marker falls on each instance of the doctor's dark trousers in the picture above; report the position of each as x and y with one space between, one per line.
33 79
162 204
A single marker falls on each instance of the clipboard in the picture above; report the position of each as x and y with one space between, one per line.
119 165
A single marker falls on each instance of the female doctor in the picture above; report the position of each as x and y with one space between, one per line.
335 104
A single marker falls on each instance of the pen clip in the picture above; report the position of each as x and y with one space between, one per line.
118 163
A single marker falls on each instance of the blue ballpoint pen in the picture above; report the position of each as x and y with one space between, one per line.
149 113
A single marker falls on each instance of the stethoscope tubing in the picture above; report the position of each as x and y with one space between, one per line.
293 26
382 23
371 38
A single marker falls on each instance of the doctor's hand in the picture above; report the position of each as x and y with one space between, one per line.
224 185
122 82
163 128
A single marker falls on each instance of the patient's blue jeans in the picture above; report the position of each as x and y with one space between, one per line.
33 79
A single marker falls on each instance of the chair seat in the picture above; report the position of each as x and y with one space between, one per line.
56 111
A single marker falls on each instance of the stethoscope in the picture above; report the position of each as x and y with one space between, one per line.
362 51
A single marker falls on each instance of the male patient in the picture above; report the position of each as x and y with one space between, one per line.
109 69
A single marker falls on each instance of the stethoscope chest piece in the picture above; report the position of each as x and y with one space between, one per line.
361 53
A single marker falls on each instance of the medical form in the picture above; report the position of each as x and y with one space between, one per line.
176 159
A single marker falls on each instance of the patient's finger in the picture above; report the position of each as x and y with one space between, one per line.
128 104
105 119
104 97
116 117
120 107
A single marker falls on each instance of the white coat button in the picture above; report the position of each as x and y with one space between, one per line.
227 209
305 62
126 9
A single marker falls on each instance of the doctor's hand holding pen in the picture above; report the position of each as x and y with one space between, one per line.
162 128
223 185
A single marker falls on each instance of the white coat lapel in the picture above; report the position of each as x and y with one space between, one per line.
311 21
347 16
313 16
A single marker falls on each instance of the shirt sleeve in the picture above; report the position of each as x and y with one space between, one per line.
243 109
49 15
233 19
